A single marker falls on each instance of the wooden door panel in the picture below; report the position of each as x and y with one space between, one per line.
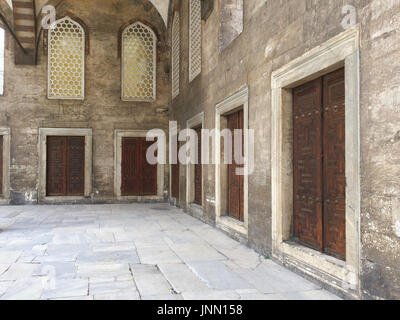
175 181
76 166
235 182
1 165
149 172
241 177
233 193
130 163
334 165
307 164
175 177
198 175
56 166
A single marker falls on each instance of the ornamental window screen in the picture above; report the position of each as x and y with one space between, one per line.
138 63
194 39
66 60
175 55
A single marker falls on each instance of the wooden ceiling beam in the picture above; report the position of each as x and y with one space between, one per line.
25 32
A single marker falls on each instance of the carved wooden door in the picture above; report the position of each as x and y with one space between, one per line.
334 165
56 166
307 164
319 164
75 166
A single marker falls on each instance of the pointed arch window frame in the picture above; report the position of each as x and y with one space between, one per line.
122 52
83 55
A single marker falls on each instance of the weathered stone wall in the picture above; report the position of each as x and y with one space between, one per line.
380 149
25 108
276 32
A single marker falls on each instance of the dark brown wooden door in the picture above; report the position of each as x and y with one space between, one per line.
319 164
198 175
76 166
1 165
56 166
175 181
131 183
307 164
334 165
139 178
235 181
149 172
65 166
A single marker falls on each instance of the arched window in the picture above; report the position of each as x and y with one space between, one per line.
1 61
194 39
175 55
66 60
231 24
139 44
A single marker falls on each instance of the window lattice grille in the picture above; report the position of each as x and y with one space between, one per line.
175 55
66 60
138 63
195 39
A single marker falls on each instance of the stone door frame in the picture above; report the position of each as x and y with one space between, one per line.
124 133
43 134
340 51
236 101
195 209
6 133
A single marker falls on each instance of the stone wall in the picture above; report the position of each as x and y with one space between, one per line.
380 149
275 33
25 107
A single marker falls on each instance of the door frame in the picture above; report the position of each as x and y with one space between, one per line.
6 133
230 225
118 135
80 132
340 51
195 209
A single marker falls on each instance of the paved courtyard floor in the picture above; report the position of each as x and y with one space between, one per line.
136 251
